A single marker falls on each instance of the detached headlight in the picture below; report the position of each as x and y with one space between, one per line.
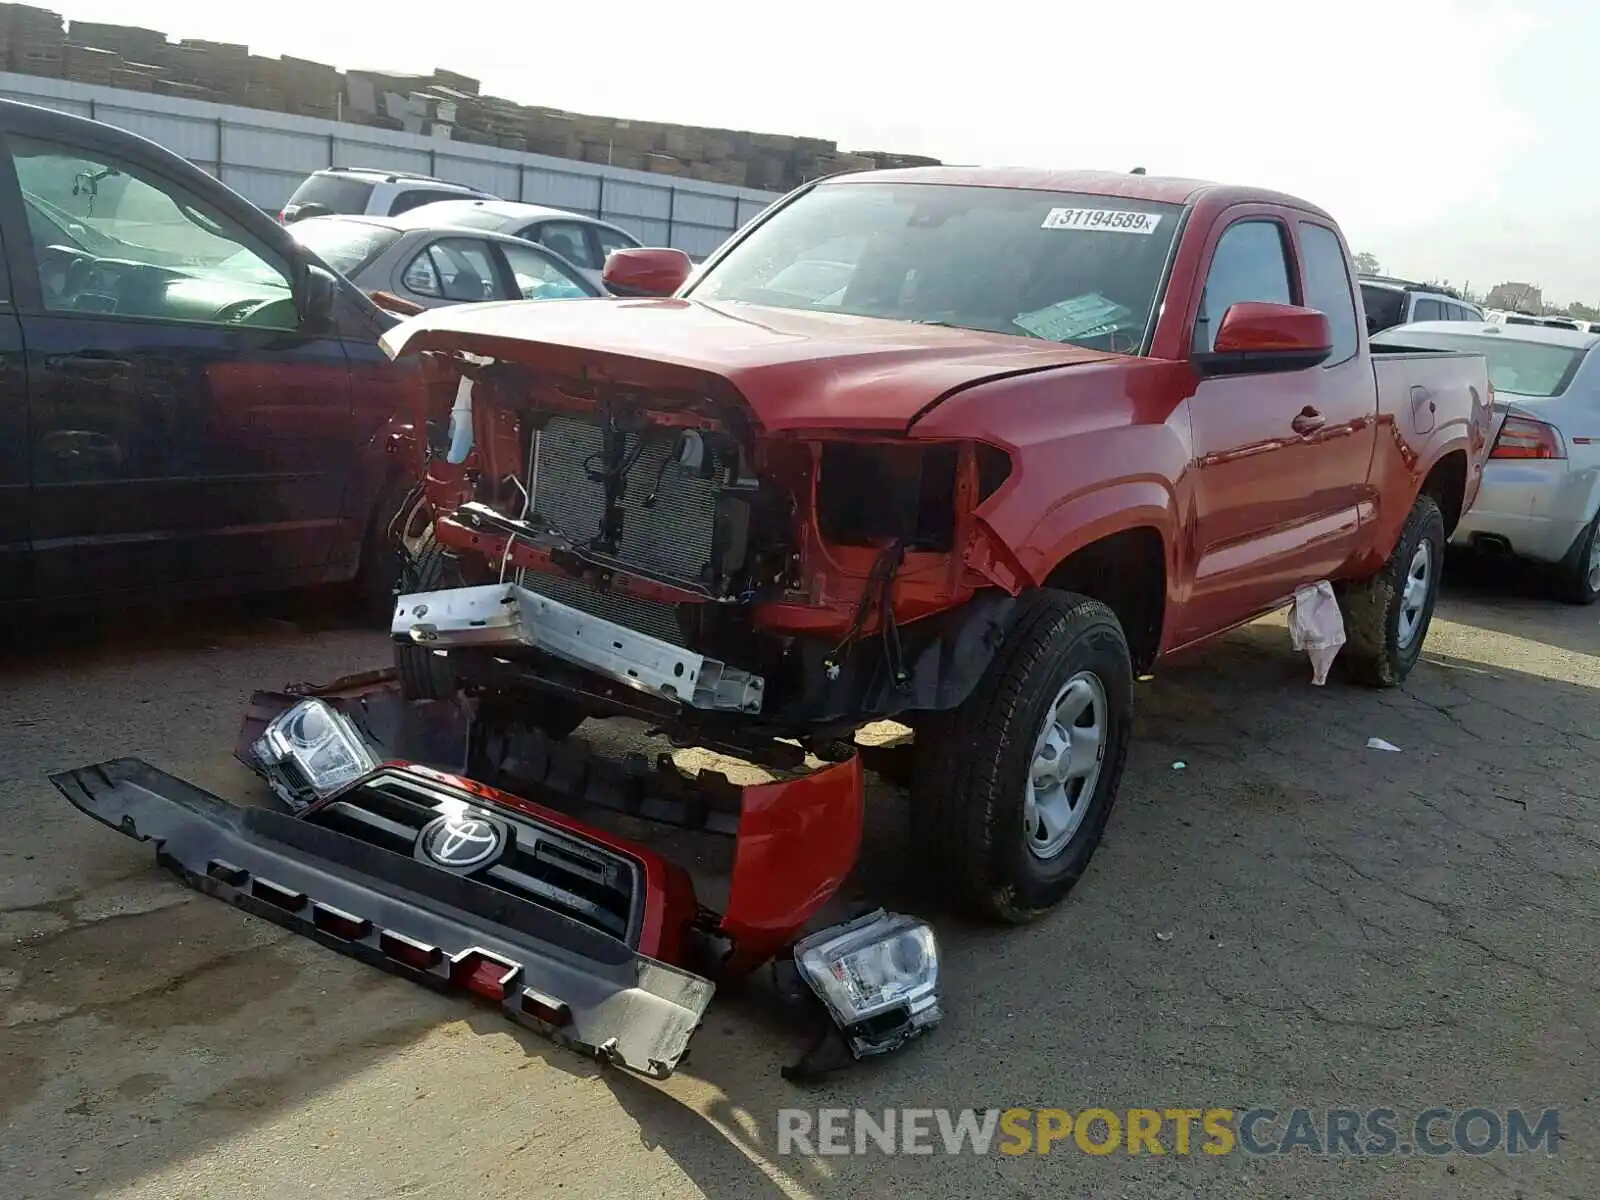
311 751
878 976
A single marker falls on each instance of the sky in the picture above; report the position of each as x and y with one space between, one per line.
1453 139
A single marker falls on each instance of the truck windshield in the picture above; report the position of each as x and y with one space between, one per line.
1054 265
1527 368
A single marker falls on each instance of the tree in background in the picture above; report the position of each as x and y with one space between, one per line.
1582 312
1367 264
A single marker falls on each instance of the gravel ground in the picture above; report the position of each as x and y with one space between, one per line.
1290 920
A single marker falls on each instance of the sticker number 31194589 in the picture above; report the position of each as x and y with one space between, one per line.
1107 220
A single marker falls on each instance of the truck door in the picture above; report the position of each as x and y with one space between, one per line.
1345 407
182 430
1264 523
15 503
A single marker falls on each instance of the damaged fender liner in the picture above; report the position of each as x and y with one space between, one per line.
575 984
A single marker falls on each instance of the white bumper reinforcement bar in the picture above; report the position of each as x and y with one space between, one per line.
507 614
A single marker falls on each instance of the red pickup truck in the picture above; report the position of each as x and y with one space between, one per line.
972 449
969 449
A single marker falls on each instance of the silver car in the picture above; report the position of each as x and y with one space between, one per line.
583 241
1540 498
435 265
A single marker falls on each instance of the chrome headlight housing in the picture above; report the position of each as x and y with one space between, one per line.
878 977
311 751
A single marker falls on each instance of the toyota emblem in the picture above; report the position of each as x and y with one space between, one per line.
460 841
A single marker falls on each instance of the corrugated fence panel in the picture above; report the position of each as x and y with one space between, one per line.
749 209
580 193
78 108
697 241
355 152
193 137
276 150
264 156
260 185
702 208
501 178
637 200
649 230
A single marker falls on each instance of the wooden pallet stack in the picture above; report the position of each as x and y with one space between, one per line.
36 39
311 89
88 64
444 104
143 46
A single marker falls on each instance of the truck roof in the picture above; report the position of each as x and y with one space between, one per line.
1159 189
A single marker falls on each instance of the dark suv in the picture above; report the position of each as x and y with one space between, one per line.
189 400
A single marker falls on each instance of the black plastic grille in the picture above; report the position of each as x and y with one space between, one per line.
584 881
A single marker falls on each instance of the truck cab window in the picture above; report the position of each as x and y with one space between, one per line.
1328 287
1428 310
107 238
1248 265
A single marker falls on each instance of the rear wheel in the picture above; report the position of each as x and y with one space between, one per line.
1013 790
1579 579
1386 618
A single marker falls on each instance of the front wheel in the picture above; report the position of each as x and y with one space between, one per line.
1013 789
1386 618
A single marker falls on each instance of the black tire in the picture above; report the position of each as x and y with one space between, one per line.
381 558
425 675
1373 652
1576 581
973 774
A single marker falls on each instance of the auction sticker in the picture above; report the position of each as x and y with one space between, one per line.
1108 220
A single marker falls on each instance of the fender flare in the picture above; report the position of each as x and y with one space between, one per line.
1081 520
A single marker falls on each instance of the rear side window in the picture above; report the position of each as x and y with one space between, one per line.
570 240
1249 265
1385 307
1428 310
340 193
612 239
416 198
1328 287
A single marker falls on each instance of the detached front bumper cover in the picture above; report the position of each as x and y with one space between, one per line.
578 985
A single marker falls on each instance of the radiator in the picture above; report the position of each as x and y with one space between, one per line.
672 537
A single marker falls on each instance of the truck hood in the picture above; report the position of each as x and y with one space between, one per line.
795 370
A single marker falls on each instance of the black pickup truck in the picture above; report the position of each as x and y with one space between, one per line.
189 402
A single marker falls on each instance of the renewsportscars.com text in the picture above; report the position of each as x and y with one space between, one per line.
1337 1132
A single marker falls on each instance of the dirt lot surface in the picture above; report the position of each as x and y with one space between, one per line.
1291 919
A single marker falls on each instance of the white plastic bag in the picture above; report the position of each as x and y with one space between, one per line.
1317 627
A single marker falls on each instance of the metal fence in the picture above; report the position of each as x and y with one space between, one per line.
264 156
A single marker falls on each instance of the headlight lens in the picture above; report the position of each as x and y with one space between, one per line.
878 976
311 751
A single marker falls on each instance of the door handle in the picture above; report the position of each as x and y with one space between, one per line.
88 364
1308 420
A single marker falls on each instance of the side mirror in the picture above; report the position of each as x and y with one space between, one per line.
1263 339
314 298
646 271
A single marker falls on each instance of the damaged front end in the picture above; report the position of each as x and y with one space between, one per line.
634 537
